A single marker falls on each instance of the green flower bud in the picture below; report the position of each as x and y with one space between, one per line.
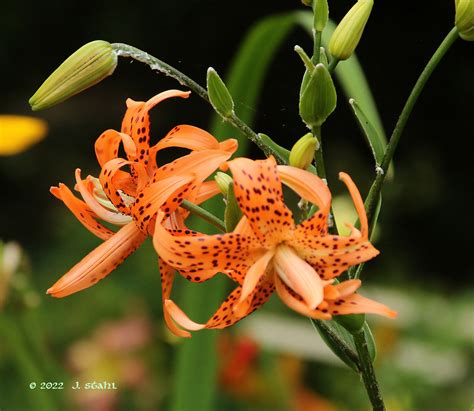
321 14
465 19
220 97
223 181
87 66
302 153
347 35
352 322
318 96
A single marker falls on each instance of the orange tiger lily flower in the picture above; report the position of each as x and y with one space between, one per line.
268 251
131 199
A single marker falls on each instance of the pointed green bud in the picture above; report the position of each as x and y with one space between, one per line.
87 66
347 35
302 153
321 14
223 181
220 97
318 98
465 19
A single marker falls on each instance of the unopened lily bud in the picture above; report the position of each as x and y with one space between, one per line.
318 96
302 153
321 14
347 35
87 66
223 181
465 19
219 96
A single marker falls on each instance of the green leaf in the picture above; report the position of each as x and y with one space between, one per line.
195 379
341 342
370 132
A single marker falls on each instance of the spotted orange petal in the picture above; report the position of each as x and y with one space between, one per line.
108 144
201 163
136 122
258 191
358 304
167 193
100 262
82 211
201 257
295 303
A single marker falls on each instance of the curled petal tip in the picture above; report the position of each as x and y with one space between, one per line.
180 317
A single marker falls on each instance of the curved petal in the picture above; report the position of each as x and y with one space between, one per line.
358 203
258 191
206 190
167 277
225 315
82 211
108 143
96 207
253 275
201 257
299 276
201 163
358 304
186 136
307 186
295 304
100 262
136 122
167 193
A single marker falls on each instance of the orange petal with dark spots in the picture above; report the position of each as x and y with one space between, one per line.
258 191
201 163
100 262
358 304
167 277
201 257
168 193
82 211
295 303
136 122
108 144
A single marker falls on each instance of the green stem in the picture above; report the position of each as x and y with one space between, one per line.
368 373
124 50
376 188
317 47
204 214
333 64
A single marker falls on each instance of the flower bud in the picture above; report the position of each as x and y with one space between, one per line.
321 14
302 153
347 35
465 19
219 96
87 66
223 181
318 96
307 2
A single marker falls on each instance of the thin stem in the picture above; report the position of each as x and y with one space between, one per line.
374 192
317 47
124 50
368 373
333 64
204 214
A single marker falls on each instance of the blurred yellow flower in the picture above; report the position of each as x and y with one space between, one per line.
17 133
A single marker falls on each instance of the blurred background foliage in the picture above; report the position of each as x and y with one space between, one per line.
115 332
